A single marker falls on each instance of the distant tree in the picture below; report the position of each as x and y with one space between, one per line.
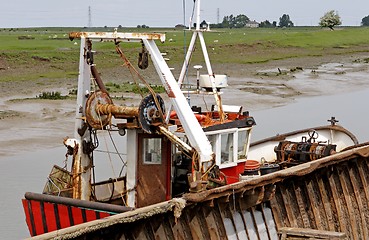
330 19
120 26
266 24
142 26
274 23
216 25
228 21
240 21
285 21
235 22
365 21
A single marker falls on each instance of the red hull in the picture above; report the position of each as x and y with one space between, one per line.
45 213
43 217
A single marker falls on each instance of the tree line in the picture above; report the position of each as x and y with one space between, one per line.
329 19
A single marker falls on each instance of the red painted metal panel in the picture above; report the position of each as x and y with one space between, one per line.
50 216
37 217
77 215
104 214
232 173
28 217
63 216
90 215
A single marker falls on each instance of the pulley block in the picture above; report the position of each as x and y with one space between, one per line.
93 117
150 114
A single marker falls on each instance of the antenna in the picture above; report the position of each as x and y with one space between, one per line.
89 17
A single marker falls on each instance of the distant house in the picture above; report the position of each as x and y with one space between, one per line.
252 24
204 25
180 26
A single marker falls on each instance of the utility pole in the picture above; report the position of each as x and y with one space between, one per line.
217 15
89 17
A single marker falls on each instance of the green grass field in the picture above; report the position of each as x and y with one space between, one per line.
31 54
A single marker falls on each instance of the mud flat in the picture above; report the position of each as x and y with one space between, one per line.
29 124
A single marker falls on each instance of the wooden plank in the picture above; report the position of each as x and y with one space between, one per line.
261 224
180 227
288 207
314 204
354 183
326 203
313 233
337 203
203 223
211 223
277 209
242 213
301 204
194 224
265 220
157 228
349 205
363 178
269 220
239 224
252 209
250 224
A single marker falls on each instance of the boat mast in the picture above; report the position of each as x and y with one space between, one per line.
82 163
199 33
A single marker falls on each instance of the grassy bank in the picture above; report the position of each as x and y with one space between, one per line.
47 53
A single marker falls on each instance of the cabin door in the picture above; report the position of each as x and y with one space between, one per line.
153 170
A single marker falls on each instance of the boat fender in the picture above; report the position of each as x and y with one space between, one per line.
70 143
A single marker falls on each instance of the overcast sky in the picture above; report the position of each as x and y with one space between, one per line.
167 13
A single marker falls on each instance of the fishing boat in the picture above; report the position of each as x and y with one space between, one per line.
190 172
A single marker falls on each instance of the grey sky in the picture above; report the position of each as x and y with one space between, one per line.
39 13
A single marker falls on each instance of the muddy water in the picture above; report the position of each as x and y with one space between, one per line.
283 110
348 108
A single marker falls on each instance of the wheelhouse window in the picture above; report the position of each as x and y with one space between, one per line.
151 151
243 140
227 147
230 146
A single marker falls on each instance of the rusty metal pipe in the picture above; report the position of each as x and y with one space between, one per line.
98 79
77 203
107 109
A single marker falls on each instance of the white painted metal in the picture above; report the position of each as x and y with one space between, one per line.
131 37
198 33
249 222
230 229
195 134
269 221
190 50
260 224
131 168
82 160
239 225
220 81
266 149
198 15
